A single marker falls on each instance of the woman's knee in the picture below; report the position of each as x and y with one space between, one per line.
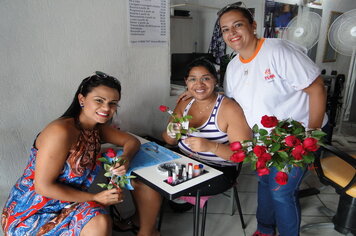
98 225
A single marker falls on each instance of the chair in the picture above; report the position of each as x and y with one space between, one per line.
339 171
235 197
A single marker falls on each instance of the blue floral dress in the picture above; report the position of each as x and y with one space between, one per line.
28 213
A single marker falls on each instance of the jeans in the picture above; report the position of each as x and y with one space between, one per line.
278 205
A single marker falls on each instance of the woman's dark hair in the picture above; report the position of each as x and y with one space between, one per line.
237 7
201 61
86 86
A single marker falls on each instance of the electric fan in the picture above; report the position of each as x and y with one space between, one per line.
342 38
304 28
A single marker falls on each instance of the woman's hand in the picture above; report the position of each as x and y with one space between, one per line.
109 197
173 129
200 144
184 96
120 170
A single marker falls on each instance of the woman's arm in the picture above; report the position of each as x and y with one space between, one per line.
237 126
232 118
129 143
53 146
317 102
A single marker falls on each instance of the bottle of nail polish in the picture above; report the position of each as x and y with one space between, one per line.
196 171
170 177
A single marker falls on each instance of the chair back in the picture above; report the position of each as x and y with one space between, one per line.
338 169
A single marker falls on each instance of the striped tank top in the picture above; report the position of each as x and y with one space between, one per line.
209 130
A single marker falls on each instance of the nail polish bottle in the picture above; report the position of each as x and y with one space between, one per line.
169 178
184 174
190 171
196 171
201 168
174 178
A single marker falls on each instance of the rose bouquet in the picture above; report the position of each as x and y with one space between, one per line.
110 159
285 146
178 125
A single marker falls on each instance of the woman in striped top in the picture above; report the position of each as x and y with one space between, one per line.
219 120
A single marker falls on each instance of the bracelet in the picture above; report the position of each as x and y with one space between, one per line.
313 129
216 147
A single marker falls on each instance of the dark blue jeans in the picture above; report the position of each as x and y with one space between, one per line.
278 205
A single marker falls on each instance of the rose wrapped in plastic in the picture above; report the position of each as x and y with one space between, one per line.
178 126
110 160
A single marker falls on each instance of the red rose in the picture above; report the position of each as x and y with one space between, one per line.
292 141
235 146
263 171
298 152
269 121
266 157
259 150
281 178
310 144
260 164
238 156
163 108
110 153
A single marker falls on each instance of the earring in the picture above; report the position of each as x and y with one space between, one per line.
254 32
81 105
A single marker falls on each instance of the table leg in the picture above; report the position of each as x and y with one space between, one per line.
197 213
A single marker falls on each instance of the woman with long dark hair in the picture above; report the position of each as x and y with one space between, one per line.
51 197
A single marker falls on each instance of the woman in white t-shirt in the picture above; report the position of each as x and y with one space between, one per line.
272 77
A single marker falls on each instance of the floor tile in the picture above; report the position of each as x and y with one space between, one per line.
318 231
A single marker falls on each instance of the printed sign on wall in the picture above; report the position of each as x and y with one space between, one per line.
148 22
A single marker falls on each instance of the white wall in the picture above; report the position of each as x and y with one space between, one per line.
47 48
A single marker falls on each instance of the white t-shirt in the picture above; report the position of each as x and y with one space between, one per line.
271 82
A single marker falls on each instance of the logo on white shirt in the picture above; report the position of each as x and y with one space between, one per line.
268 75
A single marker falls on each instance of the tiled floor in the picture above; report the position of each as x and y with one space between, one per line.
220 222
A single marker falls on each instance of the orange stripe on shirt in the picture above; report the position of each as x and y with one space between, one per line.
259 45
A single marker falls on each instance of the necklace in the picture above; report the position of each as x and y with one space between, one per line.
207 106
246 71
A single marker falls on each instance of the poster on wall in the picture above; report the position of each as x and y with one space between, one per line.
148 22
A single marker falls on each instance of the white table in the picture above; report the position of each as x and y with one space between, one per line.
153 178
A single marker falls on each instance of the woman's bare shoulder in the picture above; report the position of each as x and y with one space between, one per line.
60 129
229 104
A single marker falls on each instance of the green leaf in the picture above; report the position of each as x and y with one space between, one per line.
121 184
110 186
263 132
187 117
107 167
275 147
279 131
255 128
283 155
178 136
102 185
318 134
131 177
309 158
108 174
103 159
298 131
